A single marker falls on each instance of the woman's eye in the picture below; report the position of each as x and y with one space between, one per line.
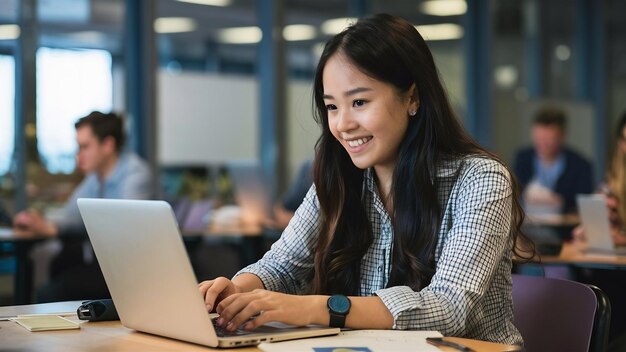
330 107
358 102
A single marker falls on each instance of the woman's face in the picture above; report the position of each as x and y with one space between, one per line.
368 117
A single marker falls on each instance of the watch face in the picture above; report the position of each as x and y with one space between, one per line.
339 304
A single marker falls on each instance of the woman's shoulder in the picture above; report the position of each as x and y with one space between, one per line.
450 165
470 165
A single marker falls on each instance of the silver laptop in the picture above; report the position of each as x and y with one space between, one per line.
594 216
146 268
252 191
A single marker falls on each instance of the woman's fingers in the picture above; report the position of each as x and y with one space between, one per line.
262 318
215 288
237 309
253 309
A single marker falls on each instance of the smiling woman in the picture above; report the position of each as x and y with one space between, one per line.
410 224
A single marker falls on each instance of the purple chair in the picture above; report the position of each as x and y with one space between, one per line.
560 315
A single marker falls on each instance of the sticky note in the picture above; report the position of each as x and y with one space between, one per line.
45 322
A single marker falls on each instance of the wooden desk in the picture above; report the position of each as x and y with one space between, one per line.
573 253
112 336
554 220
23 278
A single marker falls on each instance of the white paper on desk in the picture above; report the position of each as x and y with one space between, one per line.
375 340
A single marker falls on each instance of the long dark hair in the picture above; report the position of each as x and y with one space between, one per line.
388 49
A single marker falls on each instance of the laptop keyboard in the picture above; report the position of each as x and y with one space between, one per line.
221 332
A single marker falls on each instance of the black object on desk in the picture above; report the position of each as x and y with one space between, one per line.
97 310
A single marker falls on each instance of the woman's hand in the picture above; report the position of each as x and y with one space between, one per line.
216 290
619 237
612 205
253 309
578 234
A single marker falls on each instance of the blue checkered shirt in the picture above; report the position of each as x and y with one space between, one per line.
470 293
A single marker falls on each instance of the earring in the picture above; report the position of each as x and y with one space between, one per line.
412 112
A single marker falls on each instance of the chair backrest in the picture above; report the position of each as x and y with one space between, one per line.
601 325
559 315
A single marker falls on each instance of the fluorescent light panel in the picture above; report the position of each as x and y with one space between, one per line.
443 7
442 31
337 25
174 25
240 35
295 32
221 3
9 31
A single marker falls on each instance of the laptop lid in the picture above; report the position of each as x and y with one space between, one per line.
252 191
146 268
595 219
197 218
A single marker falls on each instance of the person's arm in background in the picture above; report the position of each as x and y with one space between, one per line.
67 222
284 211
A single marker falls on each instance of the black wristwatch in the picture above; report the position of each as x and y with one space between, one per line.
338 307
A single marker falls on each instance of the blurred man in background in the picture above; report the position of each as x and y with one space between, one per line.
109 173
550 173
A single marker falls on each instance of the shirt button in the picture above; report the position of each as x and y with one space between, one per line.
380 268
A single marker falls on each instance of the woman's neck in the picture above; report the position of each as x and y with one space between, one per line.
384 179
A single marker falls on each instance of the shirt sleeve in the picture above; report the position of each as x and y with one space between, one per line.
288 266
137 184
470 252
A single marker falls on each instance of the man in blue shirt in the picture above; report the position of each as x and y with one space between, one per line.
550 173
110 173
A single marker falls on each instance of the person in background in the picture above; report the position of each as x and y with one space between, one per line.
550 173
409 225
611 281
284 211
614 188
109 173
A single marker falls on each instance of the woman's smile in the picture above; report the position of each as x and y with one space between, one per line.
356 145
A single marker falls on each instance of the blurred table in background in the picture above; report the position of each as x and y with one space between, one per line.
23 277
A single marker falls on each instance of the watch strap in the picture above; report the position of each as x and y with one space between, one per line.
337 320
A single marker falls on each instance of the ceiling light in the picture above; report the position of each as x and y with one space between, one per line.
336 25
505 76
174 25
443 7
209 2
240 35
562 52
294 32
442 31
9 31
